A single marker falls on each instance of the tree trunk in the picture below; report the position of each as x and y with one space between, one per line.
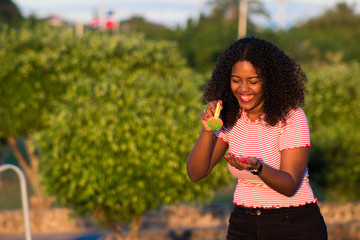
135 227
116 233
31 170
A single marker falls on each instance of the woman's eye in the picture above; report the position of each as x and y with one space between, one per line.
253 83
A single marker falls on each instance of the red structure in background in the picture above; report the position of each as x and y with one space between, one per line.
108 23
95 22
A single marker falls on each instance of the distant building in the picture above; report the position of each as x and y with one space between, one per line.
54 20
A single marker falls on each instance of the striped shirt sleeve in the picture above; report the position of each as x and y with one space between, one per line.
223 134
295 132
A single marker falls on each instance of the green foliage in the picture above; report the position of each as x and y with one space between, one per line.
333 111
31 76
203 41
150 30
38 64
231 7
202 44
117 144
328 38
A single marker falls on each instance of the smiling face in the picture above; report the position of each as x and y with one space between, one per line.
247 88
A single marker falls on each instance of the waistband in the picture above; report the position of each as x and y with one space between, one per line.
267 211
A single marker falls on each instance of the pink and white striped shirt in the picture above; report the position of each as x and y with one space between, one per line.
258 139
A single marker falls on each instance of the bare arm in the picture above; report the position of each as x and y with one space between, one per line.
287 179
292 168
207 151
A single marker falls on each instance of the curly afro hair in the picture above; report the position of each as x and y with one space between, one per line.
283 80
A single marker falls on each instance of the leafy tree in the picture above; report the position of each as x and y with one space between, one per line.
342 16
336 32
38 65
117 145
150 30
31 79
203 41
9 13
327 38
231 7
332 108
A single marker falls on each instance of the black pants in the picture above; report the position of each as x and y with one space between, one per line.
300 223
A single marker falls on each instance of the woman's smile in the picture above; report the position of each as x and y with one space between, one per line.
246 97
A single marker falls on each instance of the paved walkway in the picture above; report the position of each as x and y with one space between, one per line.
58 236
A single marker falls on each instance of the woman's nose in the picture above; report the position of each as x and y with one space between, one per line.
244 86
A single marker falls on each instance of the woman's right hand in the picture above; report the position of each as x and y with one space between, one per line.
208 112
208 150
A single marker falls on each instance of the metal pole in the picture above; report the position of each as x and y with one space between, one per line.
242 18
282 14
24 197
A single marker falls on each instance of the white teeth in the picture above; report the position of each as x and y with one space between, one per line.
246 97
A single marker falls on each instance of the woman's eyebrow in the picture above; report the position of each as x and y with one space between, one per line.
247 78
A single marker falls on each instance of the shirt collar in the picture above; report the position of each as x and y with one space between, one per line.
246 118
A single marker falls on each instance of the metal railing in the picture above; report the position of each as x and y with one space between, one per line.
24 196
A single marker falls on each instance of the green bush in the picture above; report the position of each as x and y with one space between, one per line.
116 145
333 111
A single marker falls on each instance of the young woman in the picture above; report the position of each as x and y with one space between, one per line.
267 138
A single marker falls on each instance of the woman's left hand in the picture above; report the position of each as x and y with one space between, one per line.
242 163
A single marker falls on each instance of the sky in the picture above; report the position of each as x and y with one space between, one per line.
172 12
